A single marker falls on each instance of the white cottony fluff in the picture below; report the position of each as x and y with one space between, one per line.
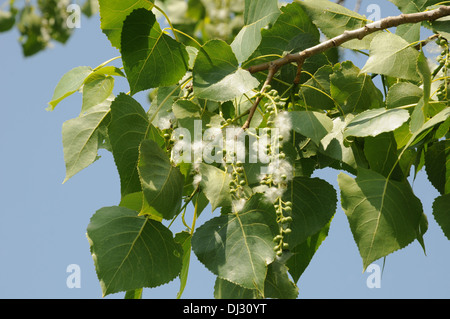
239 204
165 122
283 124
196 181
272 193
281 171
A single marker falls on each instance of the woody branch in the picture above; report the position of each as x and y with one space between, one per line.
300 57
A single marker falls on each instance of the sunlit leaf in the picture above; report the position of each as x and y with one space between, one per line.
69 84
113 14
239 247
128 252
217 75
150 57
81 138
384 215
333 19
257 14
376 121
392 56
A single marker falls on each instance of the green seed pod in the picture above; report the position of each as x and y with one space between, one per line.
277 238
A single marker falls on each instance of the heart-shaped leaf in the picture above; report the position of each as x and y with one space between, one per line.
384 215
391 55
150 57
217 75
239 247
131 251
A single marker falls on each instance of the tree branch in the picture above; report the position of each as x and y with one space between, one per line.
272 70
300 57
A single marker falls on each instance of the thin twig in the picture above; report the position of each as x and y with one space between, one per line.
272 70
300 57
426 41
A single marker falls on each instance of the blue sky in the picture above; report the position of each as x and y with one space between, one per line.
43 222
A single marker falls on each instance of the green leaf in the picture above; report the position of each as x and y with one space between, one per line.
442 26
441 209
215 185
278 284
109 70
238 247
80 138
333 144
303 253
136 201
384 215
402 94
354 90
333 19
257 14
161 182
134 294
413 6
217 75
420 112
293 31
90 7
34 37
316 91
113 14
150 57
442 116
423 69
96 89
392 56
437 165
224 289
409 31
313 205
128 126
131 252
161 104
376 121
184 239
381 154
187 112
7 19
314 125
69 84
